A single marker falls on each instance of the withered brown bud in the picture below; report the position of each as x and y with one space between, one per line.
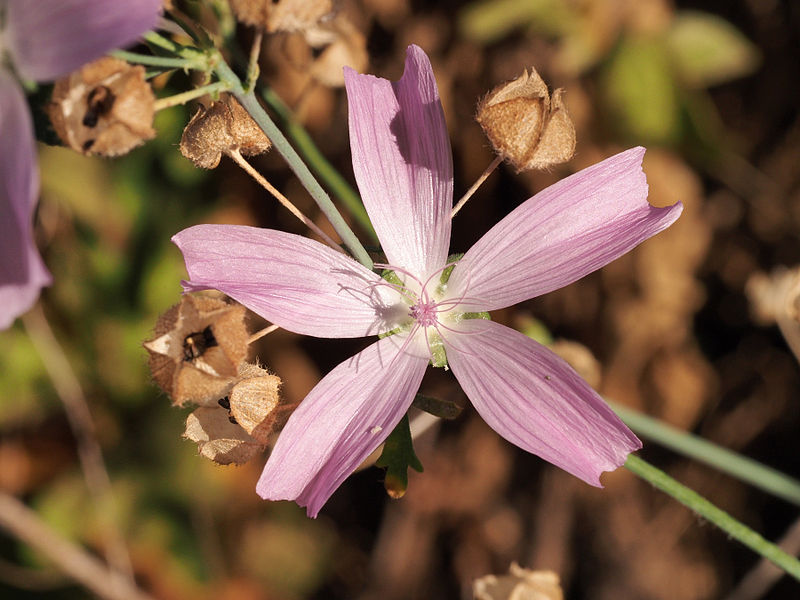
283 15
256 405
525 125
104 108
218 438
519 584
223 127
197 350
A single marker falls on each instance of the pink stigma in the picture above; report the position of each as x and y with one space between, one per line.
424 313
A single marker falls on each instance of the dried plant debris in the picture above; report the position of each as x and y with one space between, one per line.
282 15
104 108
256 405
337 43
222 128
525 125
775 296
197 350
519 584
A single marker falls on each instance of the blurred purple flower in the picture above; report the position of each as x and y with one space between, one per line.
403 166
43 40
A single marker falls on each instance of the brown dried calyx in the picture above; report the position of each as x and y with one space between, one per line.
104 108
244 421
283 15
222 128
518 584
525 125
198 348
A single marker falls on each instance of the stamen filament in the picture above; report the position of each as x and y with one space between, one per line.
261 333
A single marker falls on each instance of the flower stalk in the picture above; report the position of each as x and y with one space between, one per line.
184 97
711 513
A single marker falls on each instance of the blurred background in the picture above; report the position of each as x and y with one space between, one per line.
710 87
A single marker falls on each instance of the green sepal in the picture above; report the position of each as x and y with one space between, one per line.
392 277
444 409
397 456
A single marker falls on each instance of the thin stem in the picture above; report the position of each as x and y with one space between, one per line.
239 160
745 469
324 169
281 144
253 70
189 95
157 61
25 524
718 517
259 334
69 390
159 40
488 171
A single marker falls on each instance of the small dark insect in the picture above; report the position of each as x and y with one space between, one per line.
195 344
99 103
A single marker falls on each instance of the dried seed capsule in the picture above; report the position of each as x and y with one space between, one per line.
104 108
221 128
525 126
282 15
218 439
519 583
198 348
256 404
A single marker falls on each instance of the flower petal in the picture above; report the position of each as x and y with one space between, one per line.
292 281
403 163
50 38
22 273
563 233
344 418
535 400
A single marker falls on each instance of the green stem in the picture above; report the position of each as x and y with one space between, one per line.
281 144
718 517
157 61
324 169
159 40
184 97
745 469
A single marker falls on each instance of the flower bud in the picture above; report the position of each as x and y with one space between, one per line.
218 439
519 584
223 127
198 348
256 405
282 15
104 108
525 125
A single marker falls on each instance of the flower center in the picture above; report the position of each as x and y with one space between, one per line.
424 313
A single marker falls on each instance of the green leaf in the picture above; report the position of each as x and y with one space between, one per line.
707 50
397 456
640 91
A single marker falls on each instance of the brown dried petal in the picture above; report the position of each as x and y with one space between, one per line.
524 126
347 48
519 584
198 349
256 404
218 439
104 108
221 128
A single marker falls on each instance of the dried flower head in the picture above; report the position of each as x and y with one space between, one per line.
519 584
256 405
338 43
282 15
197 350
219 439
104 108
223 127
525 125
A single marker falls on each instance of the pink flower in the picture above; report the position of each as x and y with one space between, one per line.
44 39
402 163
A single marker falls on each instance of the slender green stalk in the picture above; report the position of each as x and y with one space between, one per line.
158 61
718 517
184 97
164 43
317 161
281 144
745 469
